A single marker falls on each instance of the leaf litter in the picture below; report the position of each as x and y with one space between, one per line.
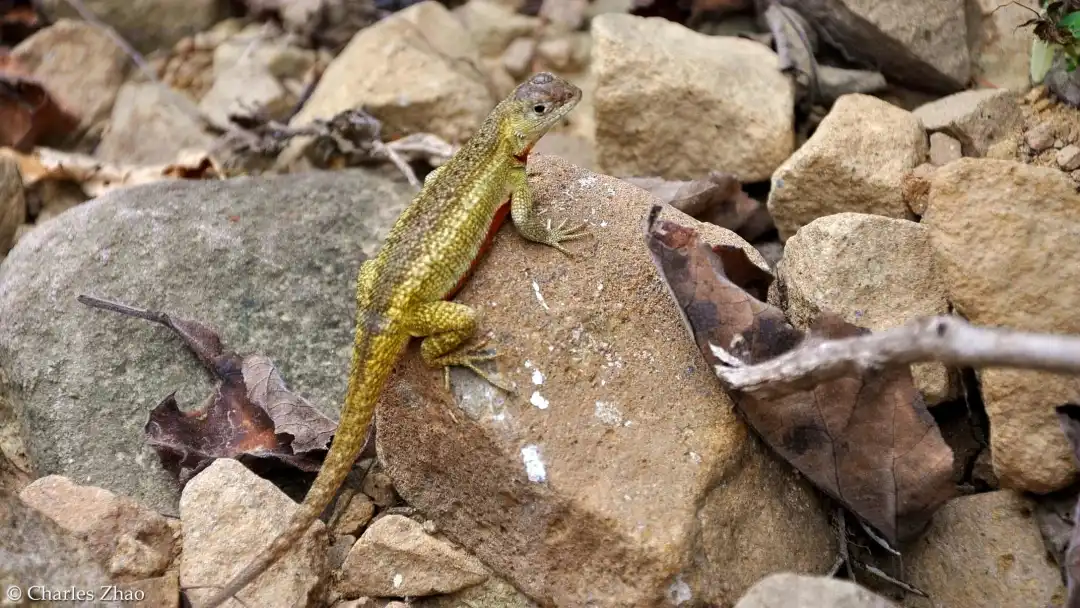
251 415
866 440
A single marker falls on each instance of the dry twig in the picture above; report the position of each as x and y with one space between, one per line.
945 339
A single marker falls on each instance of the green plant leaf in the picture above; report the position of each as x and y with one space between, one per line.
1042 56
1071 22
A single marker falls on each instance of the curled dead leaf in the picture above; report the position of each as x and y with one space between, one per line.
251 414
866 440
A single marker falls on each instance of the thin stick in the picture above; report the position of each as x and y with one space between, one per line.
945 339
399 162
124 309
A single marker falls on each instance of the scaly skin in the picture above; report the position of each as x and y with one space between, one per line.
403 292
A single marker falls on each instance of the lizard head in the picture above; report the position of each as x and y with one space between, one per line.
534 107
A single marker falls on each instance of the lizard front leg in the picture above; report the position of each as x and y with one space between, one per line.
445 328
529 224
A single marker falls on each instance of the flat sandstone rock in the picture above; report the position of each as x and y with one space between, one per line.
619 474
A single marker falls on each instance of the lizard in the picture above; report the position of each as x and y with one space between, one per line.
404 291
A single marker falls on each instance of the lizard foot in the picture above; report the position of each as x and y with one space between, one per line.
468 359
561 234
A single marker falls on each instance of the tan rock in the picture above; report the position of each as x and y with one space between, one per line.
492 593
243 89
414 70
855 161
567 52
1001 49
494 25
1040 137
158 592
933 30
12 202
148 126
915 187
791 590
356 516
132 541
1068 158
80 65
36 549
944 149
673 103
983 550
875 272
395 557
280 58
1003 235
574 148
229 516
978 118
517 59
146 24
56 198
554 504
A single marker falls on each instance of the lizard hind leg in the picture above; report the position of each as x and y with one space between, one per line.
445 328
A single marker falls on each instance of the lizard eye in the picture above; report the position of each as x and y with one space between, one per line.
540 108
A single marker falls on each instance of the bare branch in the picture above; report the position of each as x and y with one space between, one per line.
945 339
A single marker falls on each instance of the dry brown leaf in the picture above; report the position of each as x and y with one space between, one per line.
96 177
18 20
28 113
251 415
867 441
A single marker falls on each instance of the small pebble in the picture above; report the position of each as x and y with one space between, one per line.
1040 137
518 56
1068 158
944 149
1042 104
1035 94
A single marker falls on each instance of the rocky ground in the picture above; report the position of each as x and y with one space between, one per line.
232 163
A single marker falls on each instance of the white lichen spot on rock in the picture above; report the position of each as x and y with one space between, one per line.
537 377
398 579
538 400
679 592
608 413
539 296
534 466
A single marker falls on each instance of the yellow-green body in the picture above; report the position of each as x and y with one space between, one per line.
402 292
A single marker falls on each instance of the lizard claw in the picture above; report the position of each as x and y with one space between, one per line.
468 359
561 234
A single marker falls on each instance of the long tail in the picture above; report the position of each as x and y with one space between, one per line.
373 360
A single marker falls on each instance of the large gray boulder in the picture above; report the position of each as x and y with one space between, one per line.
270 263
